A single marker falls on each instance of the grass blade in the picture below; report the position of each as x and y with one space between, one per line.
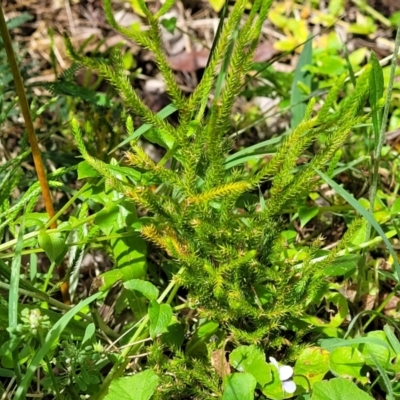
14 294
365 213
297 97
375 94
50 340
164 113
392 339
384 376
14 279
379 141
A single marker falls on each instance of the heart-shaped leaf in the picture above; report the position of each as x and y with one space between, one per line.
140 386
160 316
252 360
338 389
347 363
146 288
239 386
53 245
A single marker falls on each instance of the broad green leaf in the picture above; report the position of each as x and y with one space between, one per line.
395 208
382 354
207 329
34 219
107 279
274 390
328 64
53 244
317 325
137 303
107 217
347 362
342 265
96 193
252 360
174 335
124 171
33 262
239 386
7 373
277 16
264 294
130 252
160 317
140 386
146 288
196 344
359 236
306 214
311 363
162 138
85 170
15 22
338 389
89 332
128 215
298 107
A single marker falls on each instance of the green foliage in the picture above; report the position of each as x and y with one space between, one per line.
233 263
302 78
239 386
142 385
212 228
182 377
335 388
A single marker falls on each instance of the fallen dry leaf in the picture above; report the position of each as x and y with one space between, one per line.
392 308
189 62
220 363
265 51
195 60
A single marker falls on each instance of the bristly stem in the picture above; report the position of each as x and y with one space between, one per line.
37 158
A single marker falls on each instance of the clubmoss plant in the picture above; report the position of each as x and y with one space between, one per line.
233 259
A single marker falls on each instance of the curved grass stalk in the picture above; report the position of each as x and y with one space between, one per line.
37 158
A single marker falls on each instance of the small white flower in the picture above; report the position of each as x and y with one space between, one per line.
285 375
